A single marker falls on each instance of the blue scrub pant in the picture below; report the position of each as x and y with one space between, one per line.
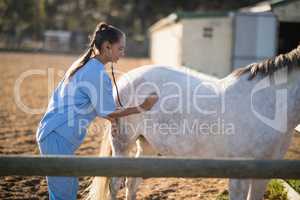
59 187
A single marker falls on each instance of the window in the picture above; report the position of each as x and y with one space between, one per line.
208 32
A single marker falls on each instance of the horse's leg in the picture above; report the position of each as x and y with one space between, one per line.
238 189
132 184
116 182
257 189
258 186
277 151
120 147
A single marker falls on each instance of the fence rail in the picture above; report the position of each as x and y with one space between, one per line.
53 165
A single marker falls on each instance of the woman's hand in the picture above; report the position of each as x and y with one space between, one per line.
145 106
149 102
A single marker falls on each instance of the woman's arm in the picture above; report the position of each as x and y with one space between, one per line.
145 106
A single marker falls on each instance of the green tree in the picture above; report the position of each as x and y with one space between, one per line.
21 19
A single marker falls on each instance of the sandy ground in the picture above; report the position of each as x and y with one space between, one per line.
18 127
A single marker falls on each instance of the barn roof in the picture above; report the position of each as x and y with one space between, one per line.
266 5
177 16
262 6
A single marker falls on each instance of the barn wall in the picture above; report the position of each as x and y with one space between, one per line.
255 38
207 44
166 45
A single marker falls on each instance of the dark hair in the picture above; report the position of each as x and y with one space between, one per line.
102 33
269 66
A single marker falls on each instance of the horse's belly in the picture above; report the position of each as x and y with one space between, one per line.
193 145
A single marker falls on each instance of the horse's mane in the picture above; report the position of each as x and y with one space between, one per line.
269 66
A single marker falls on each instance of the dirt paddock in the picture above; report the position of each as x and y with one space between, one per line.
17 129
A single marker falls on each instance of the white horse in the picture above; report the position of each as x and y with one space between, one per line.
200 116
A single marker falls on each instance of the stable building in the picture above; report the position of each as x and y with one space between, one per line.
217 43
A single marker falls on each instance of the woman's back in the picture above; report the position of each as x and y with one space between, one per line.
74 104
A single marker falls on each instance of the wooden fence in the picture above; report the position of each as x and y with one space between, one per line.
53 165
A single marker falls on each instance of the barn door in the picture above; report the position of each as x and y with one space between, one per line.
255 38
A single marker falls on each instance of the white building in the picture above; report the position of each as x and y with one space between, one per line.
288 15
217 43
213 43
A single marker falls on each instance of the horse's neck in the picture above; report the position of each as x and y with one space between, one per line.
276 95
286 89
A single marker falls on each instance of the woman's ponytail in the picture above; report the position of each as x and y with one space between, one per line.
103 32
81 61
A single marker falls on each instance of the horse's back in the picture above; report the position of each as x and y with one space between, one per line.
151 72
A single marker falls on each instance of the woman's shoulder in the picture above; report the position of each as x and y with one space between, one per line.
93 65
93 69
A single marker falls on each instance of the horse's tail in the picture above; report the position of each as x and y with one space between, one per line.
99 186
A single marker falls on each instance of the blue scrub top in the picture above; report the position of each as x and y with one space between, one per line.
74 104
